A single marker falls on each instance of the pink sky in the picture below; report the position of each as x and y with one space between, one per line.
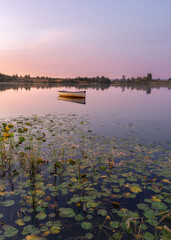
85 38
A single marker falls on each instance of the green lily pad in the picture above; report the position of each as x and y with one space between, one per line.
10 231
20 222
55 229
142 206
86 225
117 236
79 217
49 224
102 212
66 212
41 215
148 236
114 224
89 217
135 189
8 203
159 206
26 218
44 229
89 236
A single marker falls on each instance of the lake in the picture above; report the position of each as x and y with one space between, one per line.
113 111
97 168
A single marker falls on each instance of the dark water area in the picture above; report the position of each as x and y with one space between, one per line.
93 169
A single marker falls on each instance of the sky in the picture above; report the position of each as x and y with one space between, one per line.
71 38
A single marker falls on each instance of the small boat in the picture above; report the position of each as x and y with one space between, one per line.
73 99
78 94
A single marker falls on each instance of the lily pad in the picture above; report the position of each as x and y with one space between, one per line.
20 222
55 230
148 236
79 217
41 215
86 225
159 206
66 212
89 236
142 206
8 203
114 224
135 189
102 212
10 231
26 218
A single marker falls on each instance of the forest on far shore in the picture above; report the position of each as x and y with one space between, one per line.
86 80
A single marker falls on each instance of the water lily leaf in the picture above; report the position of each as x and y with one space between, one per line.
142 206
135 189
102 212
79 217
32 229
26 218
148 236
8 203
153 222
33 237
25 232
20 222
55 230
117 236
143 227
1 215
86 225
66 212
89 236
117 190
89 217
91 204
10 232
44 229
159 206
156 199
41 215
168 200
114 224
49 224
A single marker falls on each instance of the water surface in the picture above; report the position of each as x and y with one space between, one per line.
113 111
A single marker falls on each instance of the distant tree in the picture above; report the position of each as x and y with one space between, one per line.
27 76
149 77
123 78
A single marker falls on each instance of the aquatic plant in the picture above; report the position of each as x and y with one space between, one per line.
59 179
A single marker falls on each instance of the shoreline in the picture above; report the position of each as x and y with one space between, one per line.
116 83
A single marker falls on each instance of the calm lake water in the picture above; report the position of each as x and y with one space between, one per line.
112 111
92 169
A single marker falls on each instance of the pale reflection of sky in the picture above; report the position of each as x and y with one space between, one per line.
113 111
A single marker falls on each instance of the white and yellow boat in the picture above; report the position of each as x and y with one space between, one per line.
78 94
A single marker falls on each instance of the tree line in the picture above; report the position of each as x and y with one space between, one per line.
87 80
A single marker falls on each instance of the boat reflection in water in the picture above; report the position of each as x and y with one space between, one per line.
74 100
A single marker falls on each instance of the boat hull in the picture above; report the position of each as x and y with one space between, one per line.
72 99
80 94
